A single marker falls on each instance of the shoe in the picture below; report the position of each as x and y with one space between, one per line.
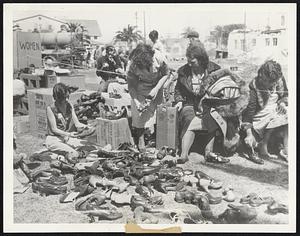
165 186
68 197
276 207
229 196
65 168
142 217
61 180
90 203
246 199
245 213
179 197
139 171
205 207
104 214
161 153
120 198
215 158
190 179
283 155
170 173
253 156
48 189
88 131
212 184
211 199
149 205
181 160
258 201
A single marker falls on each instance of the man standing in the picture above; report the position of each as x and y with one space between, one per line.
107 67
194 36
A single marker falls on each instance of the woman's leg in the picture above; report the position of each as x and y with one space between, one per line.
186 144
264 144
56 145
285 139
210 146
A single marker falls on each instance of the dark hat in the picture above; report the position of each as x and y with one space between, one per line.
193 34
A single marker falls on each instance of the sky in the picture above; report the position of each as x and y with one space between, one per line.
168 19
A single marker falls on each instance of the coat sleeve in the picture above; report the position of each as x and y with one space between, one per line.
249 112
178 93
283 91
132 81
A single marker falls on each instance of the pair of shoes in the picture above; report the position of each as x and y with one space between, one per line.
149 204
142 217
276 207
194 197
238 214
48 189
170 185
215 158
254 200
165 150
90 203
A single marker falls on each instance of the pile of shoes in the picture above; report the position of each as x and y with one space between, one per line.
101 186
88 107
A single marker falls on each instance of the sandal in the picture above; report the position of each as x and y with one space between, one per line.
246 200
276 207
258 201
215 158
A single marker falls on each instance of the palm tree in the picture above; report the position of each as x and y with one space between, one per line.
186 31
73 27
129 34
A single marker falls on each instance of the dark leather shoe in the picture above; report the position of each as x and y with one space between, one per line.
62 180
48 189
205 207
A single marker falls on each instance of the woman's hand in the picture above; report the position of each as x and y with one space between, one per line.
250 141
153 93
73 134
281 108
178 105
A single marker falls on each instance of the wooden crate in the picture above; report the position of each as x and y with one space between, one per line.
167 126
113 132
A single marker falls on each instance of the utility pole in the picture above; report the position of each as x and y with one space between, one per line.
244 46
144 28
136 19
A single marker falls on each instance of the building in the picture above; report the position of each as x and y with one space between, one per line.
270 43
39 23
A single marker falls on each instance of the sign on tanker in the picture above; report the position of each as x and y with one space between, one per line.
27 49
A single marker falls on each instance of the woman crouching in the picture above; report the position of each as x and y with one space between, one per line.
61 119
266 111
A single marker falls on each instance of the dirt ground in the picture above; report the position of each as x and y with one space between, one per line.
270 179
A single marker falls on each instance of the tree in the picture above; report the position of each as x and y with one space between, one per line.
79 30
186 31
129 34
220 34
17 27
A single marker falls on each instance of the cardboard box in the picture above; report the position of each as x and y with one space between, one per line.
73 80
21 124
167 126
117 103
38 100
113 132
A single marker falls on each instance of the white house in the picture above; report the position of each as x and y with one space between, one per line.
40 23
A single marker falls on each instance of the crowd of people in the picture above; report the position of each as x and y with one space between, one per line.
206 95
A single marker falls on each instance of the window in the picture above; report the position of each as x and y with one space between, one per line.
243 45
95 37
275 41
267 42
235 44
253 42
